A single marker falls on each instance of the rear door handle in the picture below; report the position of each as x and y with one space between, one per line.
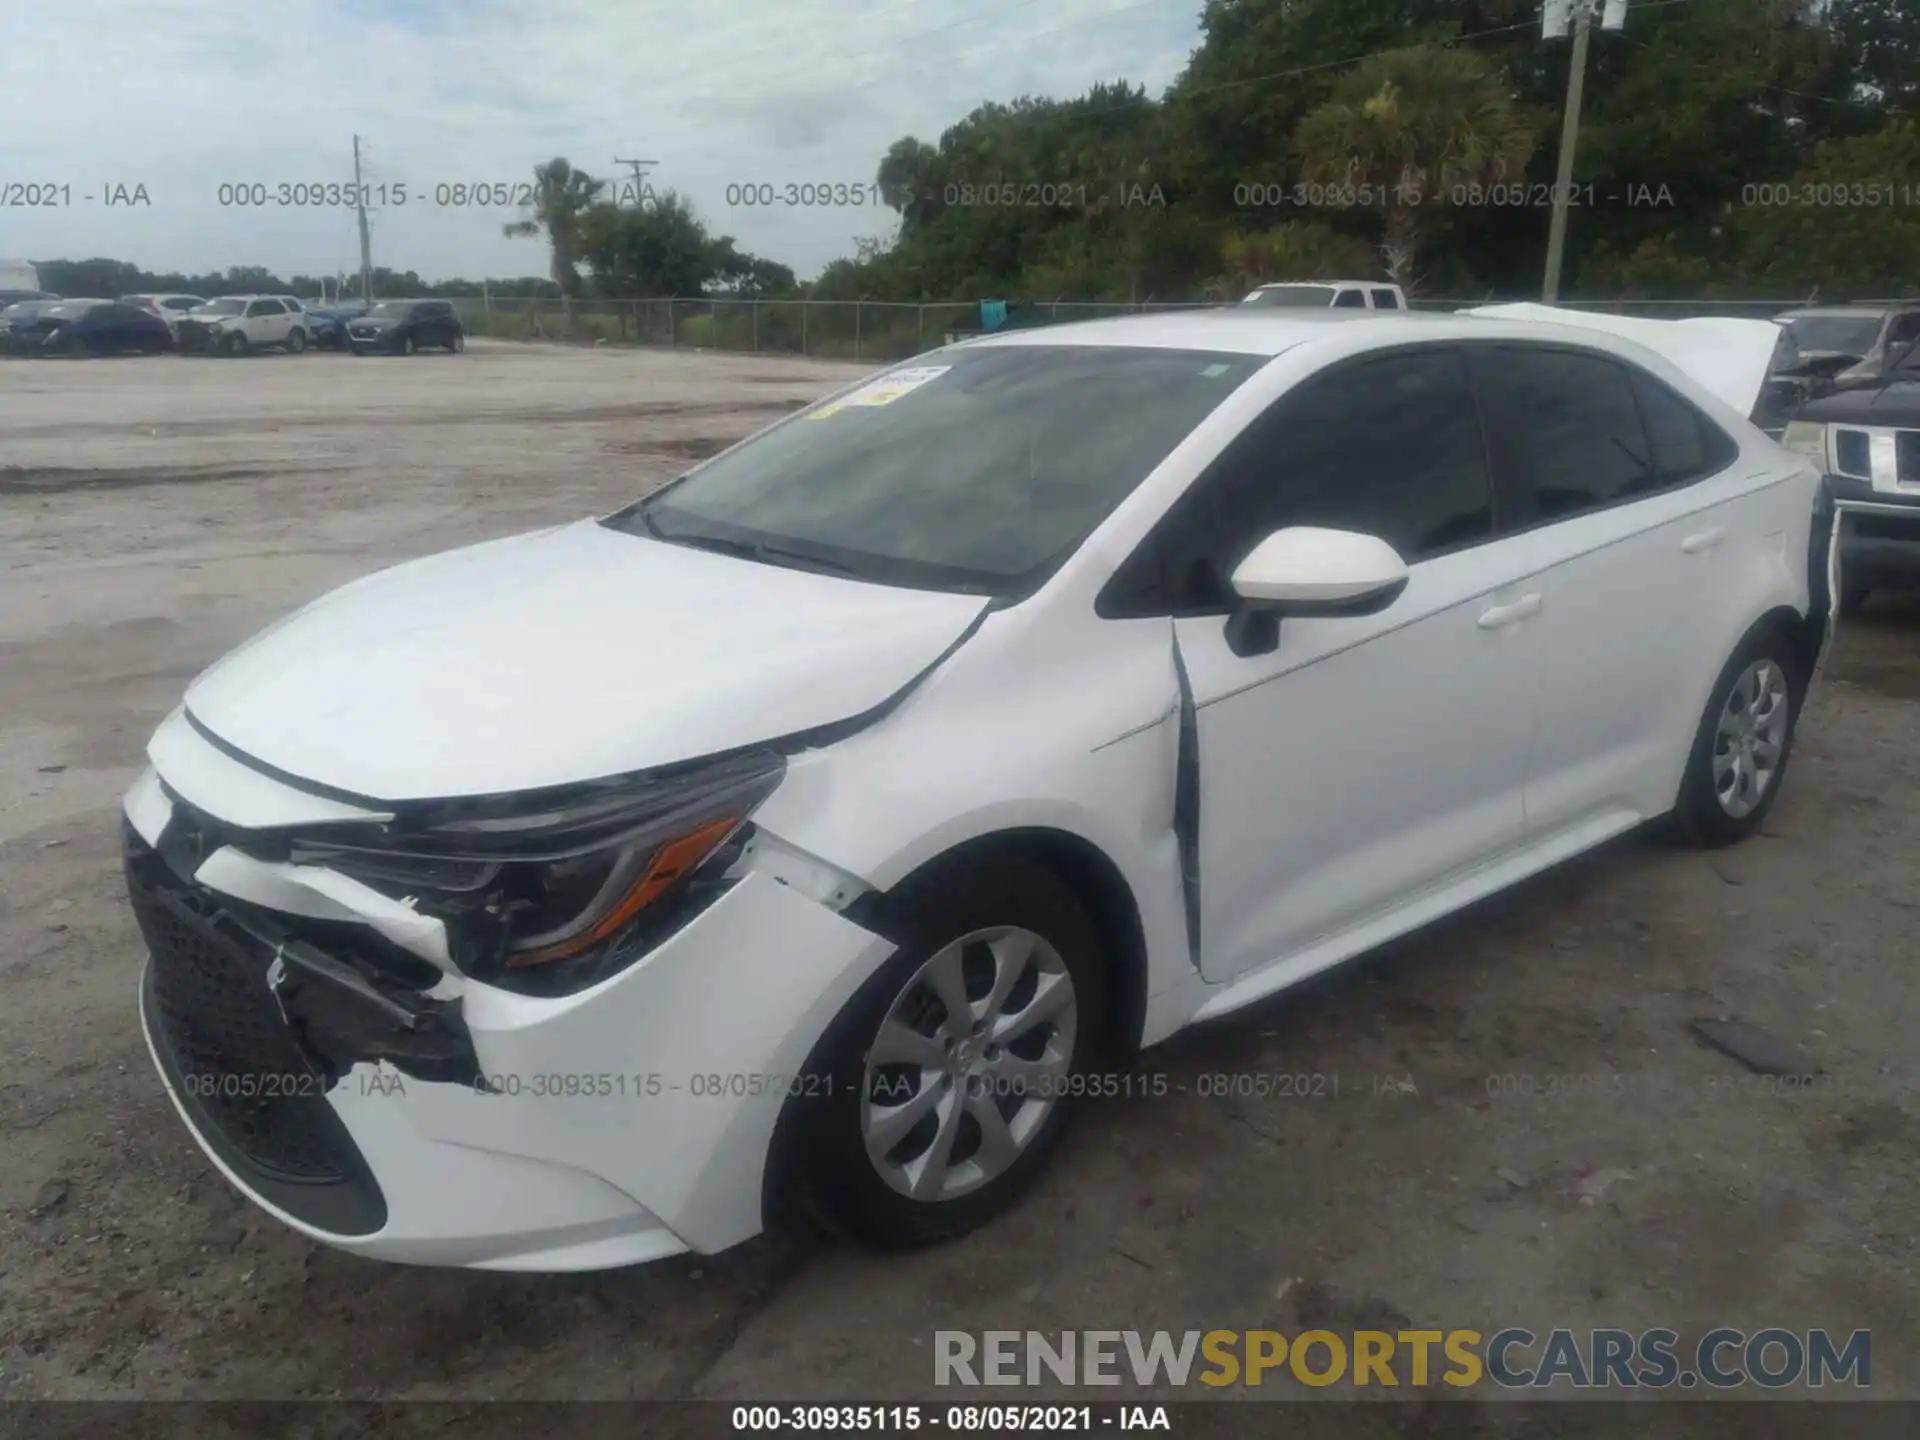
1512 614
1704 539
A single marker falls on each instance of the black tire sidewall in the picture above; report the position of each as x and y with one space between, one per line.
1699 810
835 1180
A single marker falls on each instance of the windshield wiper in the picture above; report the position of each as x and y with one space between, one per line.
747 549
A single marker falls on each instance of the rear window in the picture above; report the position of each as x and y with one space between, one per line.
1564 429
1292 297
1686 444
1385 300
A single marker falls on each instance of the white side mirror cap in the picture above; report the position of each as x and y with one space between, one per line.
1307 568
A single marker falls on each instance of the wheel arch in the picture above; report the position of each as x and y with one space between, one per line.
1084 868
1081 865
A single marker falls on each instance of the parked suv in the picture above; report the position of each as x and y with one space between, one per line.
401 327
811 833
236 324
1867 440
1328 295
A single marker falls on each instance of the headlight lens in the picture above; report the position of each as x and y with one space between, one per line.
530 883
1808 438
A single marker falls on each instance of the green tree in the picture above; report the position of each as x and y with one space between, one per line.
1403 129
561 196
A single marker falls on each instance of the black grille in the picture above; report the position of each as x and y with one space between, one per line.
1851 455
1906 449
232 1053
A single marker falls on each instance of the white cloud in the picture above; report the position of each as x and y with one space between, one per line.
183 95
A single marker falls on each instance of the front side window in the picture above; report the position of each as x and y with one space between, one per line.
1564 431
266 307
978 469
1388 447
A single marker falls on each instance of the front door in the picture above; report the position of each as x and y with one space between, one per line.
1365 760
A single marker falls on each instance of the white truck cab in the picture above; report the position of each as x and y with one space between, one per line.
1329 295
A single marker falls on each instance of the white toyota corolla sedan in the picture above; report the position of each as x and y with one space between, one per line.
815 831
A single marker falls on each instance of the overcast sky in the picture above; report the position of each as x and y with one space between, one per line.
181 96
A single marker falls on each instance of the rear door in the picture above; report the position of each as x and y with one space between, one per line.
1632 501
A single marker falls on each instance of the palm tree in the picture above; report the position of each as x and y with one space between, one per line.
1406 127
561 196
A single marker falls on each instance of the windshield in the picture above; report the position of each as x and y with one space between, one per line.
392 307
1314 297
224 307
976 469
1839 334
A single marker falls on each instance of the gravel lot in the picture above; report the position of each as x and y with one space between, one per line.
155 512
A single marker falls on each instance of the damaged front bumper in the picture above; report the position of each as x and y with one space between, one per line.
336 1067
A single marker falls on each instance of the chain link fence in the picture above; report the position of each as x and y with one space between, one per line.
880 331
876 330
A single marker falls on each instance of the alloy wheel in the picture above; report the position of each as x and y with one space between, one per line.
1750 739
973 1055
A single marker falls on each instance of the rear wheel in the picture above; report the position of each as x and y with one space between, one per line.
457 343
296 341
938 1093
1745 739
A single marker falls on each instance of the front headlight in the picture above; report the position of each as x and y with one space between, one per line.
568 883
1808 438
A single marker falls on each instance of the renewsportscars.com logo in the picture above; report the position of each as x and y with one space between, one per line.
1513 1358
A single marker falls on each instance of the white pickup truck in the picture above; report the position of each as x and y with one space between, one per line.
1329 295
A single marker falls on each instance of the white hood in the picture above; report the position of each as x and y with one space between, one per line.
1726 356
565 655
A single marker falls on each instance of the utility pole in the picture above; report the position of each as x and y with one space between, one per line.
639 179
1555 17
366 245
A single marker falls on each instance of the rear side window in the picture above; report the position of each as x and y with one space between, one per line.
1564 430
1389 447
1350 300
1385 300
1686 444
266 307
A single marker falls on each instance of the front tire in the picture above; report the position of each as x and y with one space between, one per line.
940 1091
1745 739
457 344
407 347
236 344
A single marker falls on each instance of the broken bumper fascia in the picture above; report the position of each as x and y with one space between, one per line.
626 1122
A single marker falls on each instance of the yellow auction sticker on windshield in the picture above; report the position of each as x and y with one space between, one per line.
885 390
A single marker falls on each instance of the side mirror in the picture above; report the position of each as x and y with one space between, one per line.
1304 570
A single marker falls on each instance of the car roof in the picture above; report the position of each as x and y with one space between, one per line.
1236 330
1319 284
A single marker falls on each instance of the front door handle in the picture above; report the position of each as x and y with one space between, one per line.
1513 614
1704 539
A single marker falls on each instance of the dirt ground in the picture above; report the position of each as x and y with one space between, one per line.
155 512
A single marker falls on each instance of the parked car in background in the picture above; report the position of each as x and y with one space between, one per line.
1848 347
237 324
170 308
1328 295
90 327
18 318
10 298
327 322
401 327
1867 441
986 721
